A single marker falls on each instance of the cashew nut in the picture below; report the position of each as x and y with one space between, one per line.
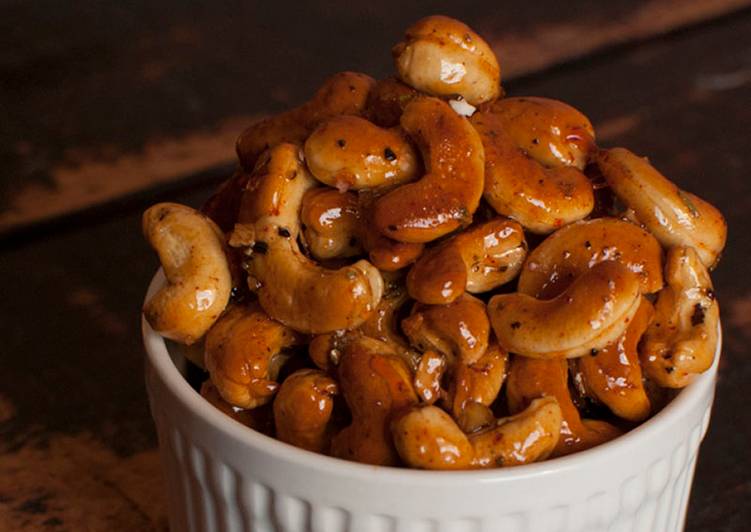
516 185
331 222
675 217
477 260
303 408
345 93
291 288
259 419
244 351
682 339
350 152
426 437
570 251
444 57
591 313
477 383
387 101
191 249
449 193
384 253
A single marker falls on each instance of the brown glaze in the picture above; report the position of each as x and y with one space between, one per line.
428 375
384 253
387 101
477 383
331 223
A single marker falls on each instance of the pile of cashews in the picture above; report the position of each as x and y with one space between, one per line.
422 272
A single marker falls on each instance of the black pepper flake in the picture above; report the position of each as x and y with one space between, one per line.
594 352
389 154
515 324
697 318
711 294
283 232
260 247
535 141
667 356
588 244
669 369
341 143
391 228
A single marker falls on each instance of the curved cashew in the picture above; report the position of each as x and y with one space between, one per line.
345 93
384 253
675 217
589 314
541 199
477 260
613 374
428 438
259 419
682 339
244 351
348 152
531 378
191 249
449 193
375 383
444 57
331 223
387 101
550 131
303 408
459 330
570 251
291 288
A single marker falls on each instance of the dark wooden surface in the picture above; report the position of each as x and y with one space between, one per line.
77 447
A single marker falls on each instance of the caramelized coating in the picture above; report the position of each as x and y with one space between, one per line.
516 185
530 378
244 351
348 152
551 132
613 374
259 419
479 259
430 370
478 383
387 101
449 193
331 223
303 408
428 438
570 251
682 339
375 384
345 93
444 57
191 250
592 312
459 330
673 216
290 287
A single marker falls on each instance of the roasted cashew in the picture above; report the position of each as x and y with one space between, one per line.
344 93
387 101
459 330
384 253
682 339
426 437
592 312
550 131
531 378
244 351
675 217
477 260
570 251
541 199
348 152
375 383
449 193
303 408
444 57
191 249
477 383
291 288
331 223
613 374
259 419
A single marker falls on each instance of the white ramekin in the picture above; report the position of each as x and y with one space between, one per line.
222 476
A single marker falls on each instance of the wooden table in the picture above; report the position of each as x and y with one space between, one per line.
106 109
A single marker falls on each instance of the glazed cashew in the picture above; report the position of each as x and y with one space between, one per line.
426 437
444 57
191 249
384 253
345 93
244 351
331 223
303 408
348 152
675 217
516 185
259 419
449 193
529 379
570 251
291 288
682 339
477 260
375 383
387 101
613 374
477 384
592 312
